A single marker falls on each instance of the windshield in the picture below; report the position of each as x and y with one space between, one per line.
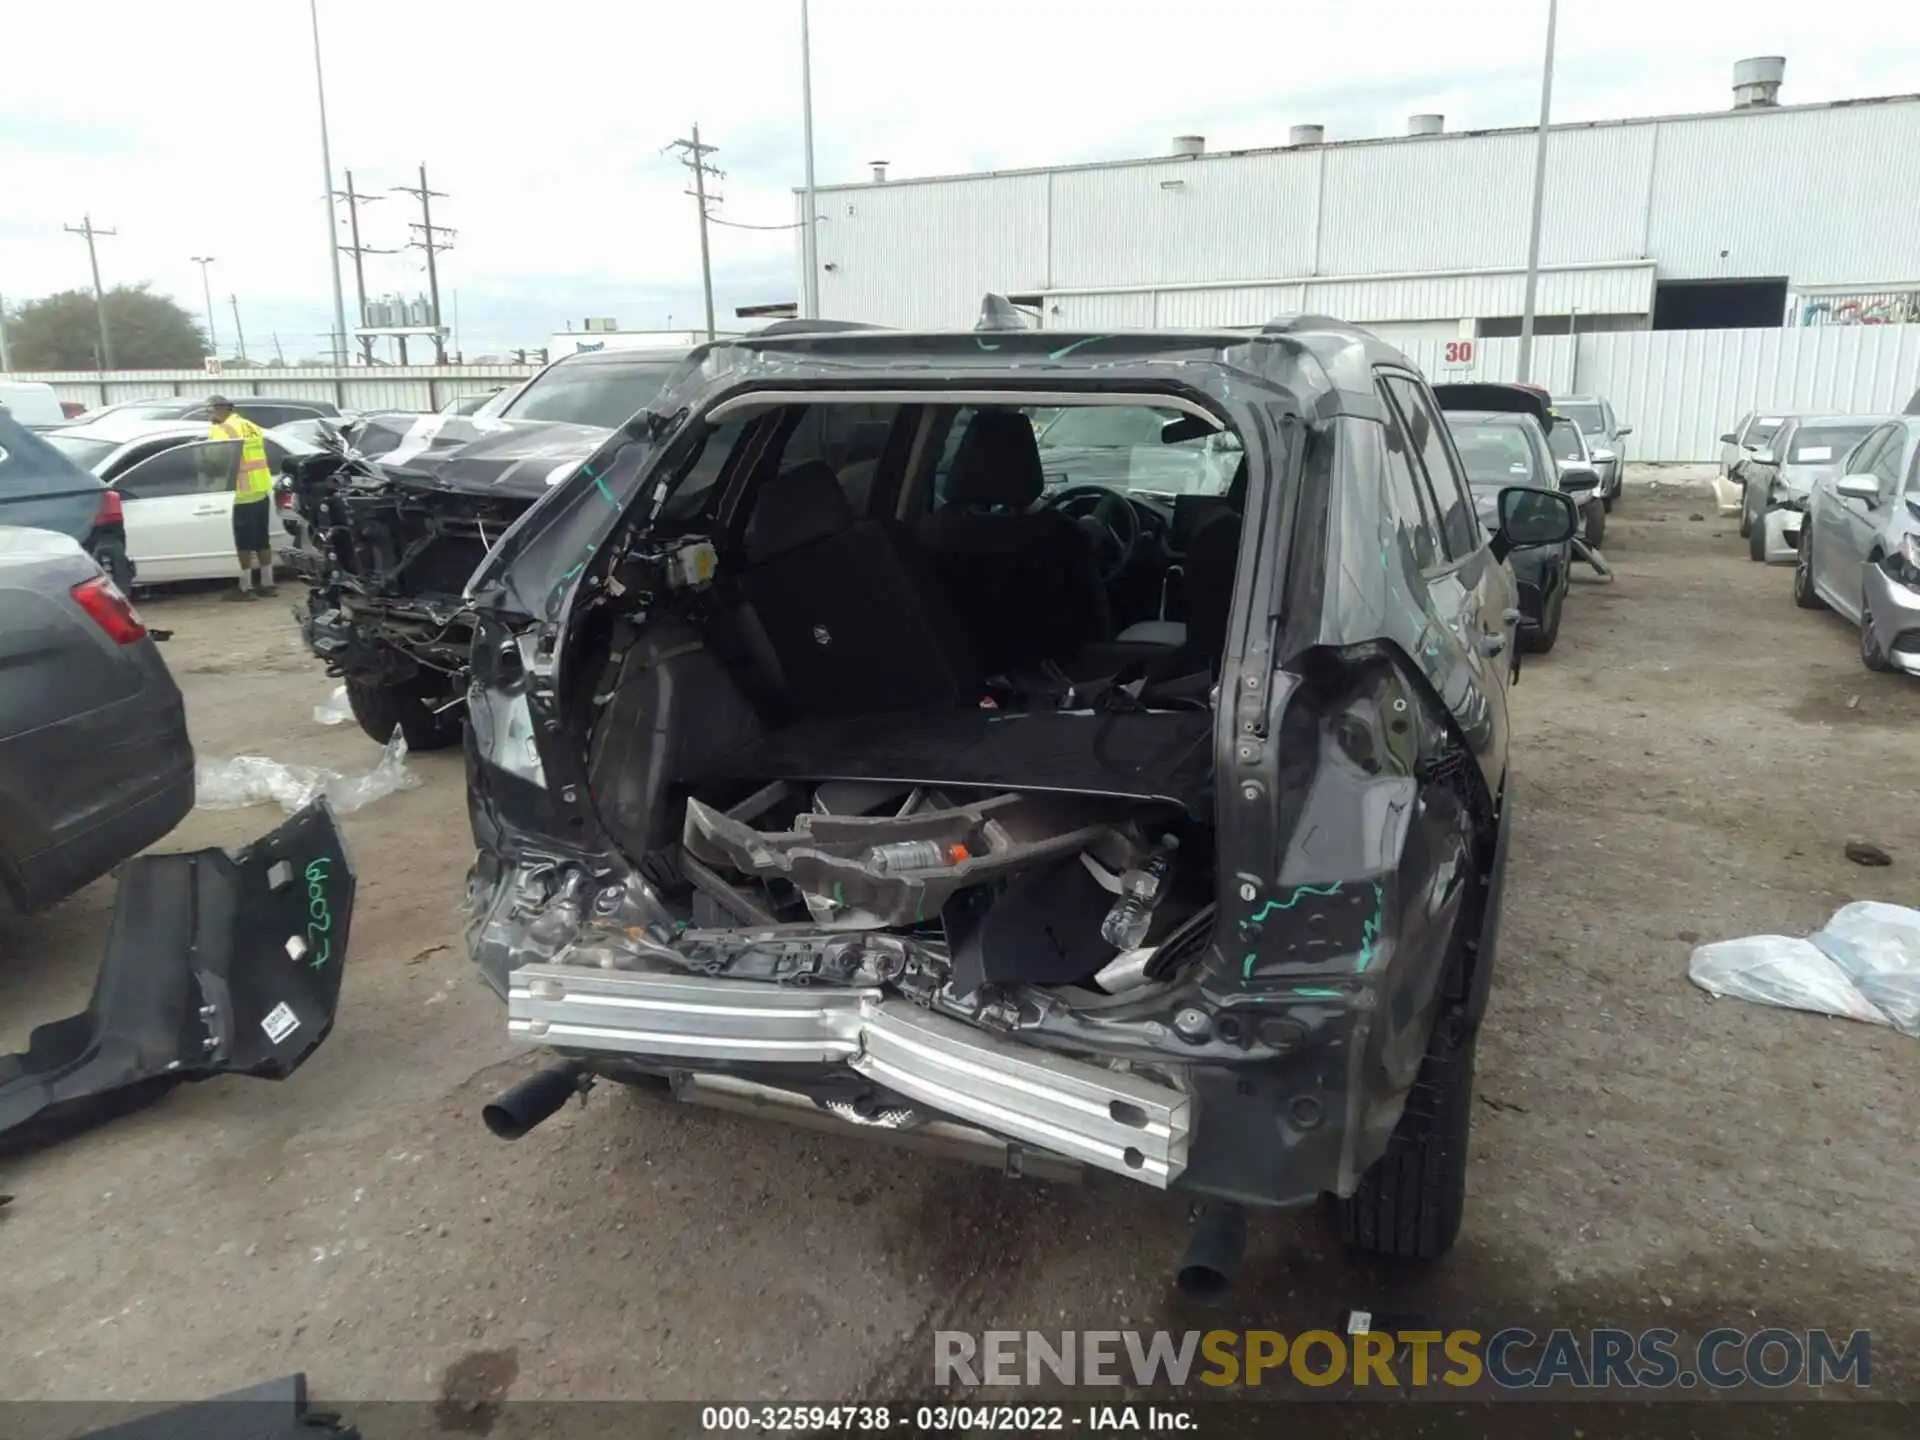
1119 446
1587 417
1495 453
1564 441
1761 431
83 452
605 393
1825 444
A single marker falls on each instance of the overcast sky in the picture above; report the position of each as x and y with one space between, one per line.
190 125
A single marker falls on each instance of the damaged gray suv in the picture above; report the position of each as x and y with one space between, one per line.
836 753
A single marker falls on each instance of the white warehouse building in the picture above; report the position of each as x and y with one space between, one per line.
1757 215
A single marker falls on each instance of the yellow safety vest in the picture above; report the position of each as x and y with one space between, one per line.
255 478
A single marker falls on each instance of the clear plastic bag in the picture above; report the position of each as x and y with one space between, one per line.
335 709
1863 964
253 780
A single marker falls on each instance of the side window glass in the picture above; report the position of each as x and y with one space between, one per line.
1405 492
695 487
206 468
1886 464
1913 473
1427 435
1860 462
850 438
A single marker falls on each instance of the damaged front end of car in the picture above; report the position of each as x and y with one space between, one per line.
1191 928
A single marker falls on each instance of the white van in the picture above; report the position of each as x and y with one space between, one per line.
32 403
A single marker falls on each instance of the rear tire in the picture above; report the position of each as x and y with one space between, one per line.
1757 542
1746 512
1596 525
1540 641
1409 1204
379 708
1804 595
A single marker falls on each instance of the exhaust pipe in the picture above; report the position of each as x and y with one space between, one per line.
1214 1252
537 1098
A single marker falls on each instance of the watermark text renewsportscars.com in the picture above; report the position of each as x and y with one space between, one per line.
1516 1359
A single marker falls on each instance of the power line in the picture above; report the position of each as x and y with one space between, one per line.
357 250
427 230
739 225
694 156
85 227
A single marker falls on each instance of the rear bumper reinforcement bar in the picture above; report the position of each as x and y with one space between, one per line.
1110 1119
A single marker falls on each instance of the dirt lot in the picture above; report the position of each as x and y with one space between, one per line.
1690 762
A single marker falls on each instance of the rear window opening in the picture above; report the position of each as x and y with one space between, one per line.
939 670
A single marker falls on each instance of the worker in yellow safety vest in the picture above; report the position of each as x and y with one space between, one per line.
252 498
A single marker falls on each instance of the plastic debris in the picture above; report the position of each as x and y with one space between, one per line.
334 710
1863 964
1865 852
254 780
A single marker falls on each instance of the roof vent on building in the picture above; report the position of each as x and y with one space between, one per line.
1306 134
1426 124
879 171
1756 81
1189 145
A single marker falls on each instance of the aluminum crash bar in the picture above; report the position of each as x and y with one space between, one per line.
1112 1119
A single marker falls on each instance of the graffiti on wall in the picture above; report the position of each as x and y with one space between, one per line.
1891 307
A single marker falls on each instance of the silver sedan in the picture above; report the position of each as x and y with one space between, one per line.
1860 546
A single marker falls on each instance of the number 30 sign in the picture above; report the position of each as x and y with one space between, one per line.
1459 353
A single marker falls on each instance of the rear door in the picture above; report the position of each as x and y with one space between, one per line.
179 509
1471 594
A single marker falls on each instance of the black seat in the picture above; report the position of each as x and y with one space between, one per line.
1213 554
1023 581
850 610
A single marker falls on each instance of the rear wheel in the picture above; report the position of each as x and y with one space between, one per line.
1746 511
1596 525
1757 541
1804 595
1540 641
408 705
1409 1205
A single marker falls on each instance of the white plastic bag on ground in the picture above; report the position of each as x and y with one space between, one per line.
334 710
253 779
1864 964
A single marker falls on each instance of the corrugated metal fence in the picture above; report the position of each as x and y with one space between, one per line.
412 387
1681 389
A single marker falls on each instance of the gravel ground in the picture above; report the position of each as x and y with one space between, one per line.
1690 762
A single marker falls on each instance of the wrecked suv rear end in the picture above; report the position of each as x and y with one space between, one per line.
829 757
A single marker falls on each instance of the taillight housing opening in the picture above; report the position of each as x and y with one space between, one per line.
110 610
110 511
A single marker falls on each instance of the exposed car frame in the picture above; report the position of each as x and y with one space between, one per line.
1258 1068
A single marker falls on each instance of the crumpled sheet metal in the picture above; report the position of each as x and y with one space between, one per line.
253 780
1863 964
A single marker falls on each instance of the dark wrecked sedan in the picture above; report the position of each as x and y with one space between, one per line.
394 513
827 758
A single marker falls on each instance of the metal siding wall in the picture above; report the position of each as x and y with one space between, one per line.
1246 305
1101 312
1821 196
1228 217
417 387
921 255
1680 389
1442 203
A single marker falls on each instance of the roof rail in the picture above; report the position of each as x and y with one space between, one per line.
811 327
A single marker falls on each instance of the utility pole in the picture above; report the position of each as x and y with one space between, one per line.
234 301
1523 366
206 293
339 346
85 227
426 242
356 249
809 219
694 157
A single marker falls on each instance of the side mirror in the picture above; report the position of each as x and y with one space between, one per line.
1624 431
1578 478
1532 518
1603 457
1860 487
1727 439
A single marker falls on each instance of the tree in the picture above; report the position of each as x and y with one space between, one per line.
62 332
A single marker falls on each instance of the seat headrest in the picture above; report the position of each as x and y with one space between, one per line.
795 508
997 462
